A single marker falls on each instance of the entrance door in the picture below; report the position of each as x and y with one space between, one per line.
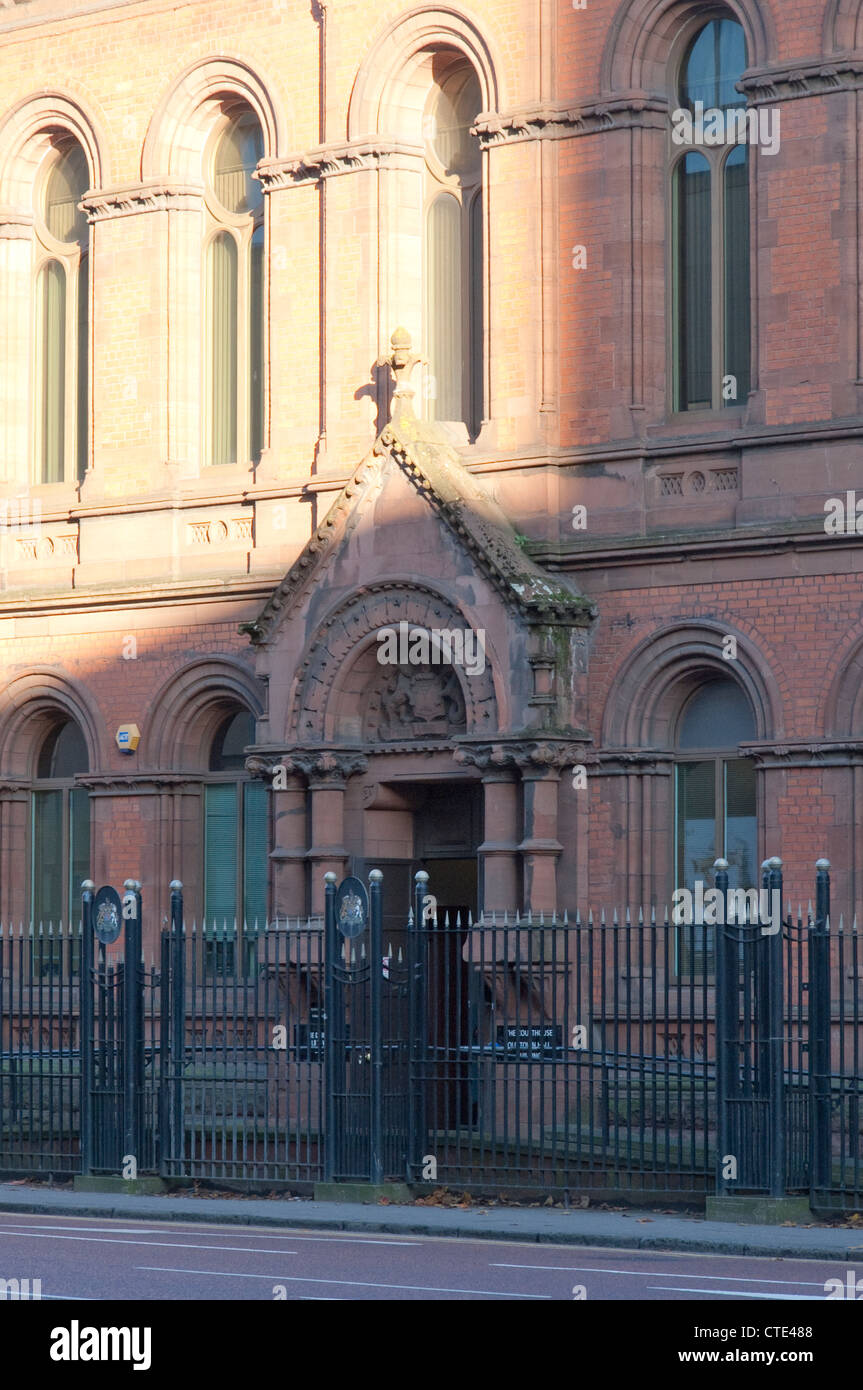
447 833
448 830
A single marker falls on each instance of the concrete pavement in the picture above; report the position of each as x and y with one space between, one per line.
631 1230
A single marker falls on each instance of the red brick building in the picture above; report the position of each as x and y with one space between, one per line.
639 387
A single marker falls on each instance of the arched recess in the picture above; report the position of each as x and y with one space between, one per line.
385 99
841 715
175 140
843 27
326 685
187 711
30 706
649 692
25 134
643 33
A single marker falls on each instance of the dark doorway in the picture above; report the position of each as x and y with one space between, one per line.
448 830
447 834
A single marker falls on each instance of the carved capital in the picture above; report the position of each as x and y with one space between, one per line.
130 200
533 757
325 767
326 161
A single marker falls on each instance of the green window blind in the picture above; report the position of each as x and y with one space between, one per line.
47 890
220 853
255 850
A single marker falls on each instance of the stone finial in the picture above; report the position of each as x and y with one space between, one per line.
401 363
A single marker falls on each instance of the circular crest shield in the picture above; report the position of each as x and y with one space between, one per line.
352 907
107 915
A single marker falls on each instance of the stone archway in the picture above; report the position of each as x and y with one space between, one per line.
330 698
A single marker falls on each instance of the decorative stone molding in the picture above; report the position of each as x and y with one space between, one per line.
765 85
16 224
806 753
217 532
327 161
137 784
534 757
14 787
131 199
319 765
43 549
549 122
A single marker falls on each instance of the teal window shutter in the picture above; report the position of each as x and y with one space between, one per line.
47 893
220 853
256 846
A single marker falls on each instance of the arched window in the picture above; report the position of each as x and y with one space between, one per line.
715 802
236 847
710 224
454 244
59 834
234 292
62 315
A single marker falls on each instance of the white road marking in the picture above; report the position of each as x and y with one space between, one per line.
167 1244
247 1235
663 1274
347 1283
738 1293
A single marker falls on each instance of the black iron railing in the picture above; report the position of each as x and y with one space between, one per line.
515 1053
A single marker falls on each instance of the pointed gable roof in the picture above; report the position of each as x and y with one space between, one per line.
430 462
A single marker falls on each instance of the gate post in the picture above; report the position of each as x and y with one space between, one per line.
330 949
178 1019
726 1025
376 1001
85 1026
416 1021
819 1032
777 1040
132 1037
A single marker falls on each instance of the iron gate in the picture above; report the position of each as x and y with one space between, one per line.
371 1015
118 1120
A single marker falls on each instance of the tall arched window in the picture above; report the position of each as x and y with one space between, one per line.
710 227
62 315
234 292
59 833
715 802
454 244
236 848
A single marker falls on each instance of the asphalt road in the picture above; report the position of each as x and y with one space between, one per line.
92 1258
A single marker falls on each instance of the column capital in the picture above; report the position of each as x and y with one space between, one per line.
540 756
325 767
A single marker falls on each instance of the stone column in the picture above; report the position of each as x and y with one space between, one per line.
290 843
14 889
327 773
499 868
541 762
